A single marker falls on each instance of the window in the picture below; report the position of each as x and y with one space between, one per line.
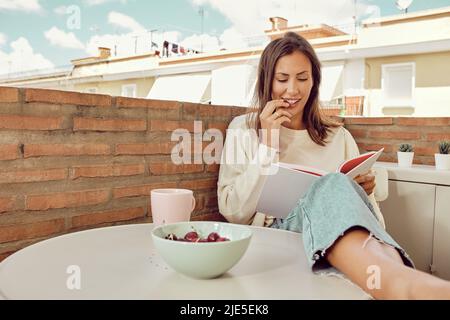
129 90
398 83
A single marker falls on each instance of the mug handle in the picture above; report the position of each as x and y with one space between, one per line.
193 204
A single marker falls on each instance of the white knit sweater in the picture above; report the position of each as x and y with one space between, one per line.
240 179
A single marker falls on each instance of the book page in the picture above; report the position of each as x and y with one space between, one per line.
282 190
310 170
361 164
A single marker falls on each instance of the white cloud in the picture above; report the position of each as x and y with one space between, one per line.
63 39
22 58
199 42
20 5
61 10
99 2
2 38
125 22
129 43
232 39
251 17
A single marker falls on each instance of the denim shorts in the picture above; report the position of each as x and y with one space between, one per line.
333 204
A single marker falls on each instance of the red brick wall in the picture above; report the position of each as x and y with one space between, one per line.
423 133
72 161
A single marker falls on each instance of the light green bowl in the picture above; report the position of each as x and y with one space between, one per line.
202 260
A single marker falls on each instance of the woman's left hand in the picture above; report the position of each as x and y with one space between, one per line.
367 182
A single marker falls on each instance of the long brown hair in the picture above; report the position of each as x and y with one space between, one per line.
315 122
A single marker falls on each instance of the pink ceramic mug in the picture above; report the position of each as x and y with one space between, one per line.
171 205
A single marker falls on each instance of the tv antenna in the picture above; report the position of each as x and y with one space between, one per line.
403 5
201 12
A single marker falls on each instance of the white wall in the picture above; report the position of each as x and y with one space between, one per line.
233 85
353 81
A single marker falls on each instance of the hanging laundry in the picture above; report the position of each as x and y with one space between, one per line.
154 45
165 48
174 48
182 50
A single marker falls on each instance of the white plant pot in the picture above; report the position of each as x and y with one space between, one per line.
442 161
405 159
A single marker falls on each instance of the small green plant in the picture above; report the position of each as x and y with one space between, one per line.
405 147
444 147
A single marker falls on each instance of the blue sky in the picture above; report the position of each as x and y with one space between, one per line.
42 33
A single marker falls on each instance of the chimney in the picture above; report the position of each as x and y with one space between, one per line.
104 53
278 23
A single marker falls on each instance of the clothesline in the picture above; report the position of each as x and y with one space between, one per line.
174 48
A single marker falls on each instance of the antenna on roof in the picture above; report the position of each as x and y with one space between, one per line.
403 5
201 12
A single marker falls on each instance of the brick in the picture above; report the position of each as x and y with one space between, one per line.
429 161
17 122
199 184
67 97
7 203
375 147
94 218
9 94
95 124
110 170
20 176
212 168
368 120
211 201
199 203
202 111
237 111
167 125
222 126
330 112
388 158
30 230
37 150
5 255
425 151
421 122
214 216
66 199
171 168
397 135
438 136
140 190
213 111
144 148
358 133
123 102
9 151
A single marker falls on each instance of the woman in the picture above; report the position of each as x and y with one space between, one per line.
340 222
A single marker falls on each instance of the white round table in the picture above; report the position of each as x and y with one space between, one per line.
121 263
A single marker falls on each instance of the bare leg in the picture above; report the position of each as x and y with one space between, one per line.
353 254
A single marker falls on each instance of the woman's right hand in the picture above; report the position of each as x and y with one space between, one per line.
271 118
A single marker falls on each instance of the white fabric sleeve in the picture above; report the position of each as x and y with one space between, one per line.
242 175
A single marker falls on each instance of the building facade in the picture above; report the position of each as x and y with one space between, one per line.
392 66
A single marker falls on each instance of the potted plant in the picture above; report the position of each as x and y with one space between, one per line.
442 159
405 155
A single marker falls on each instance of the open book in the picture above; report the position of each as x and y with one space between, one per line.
290 182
